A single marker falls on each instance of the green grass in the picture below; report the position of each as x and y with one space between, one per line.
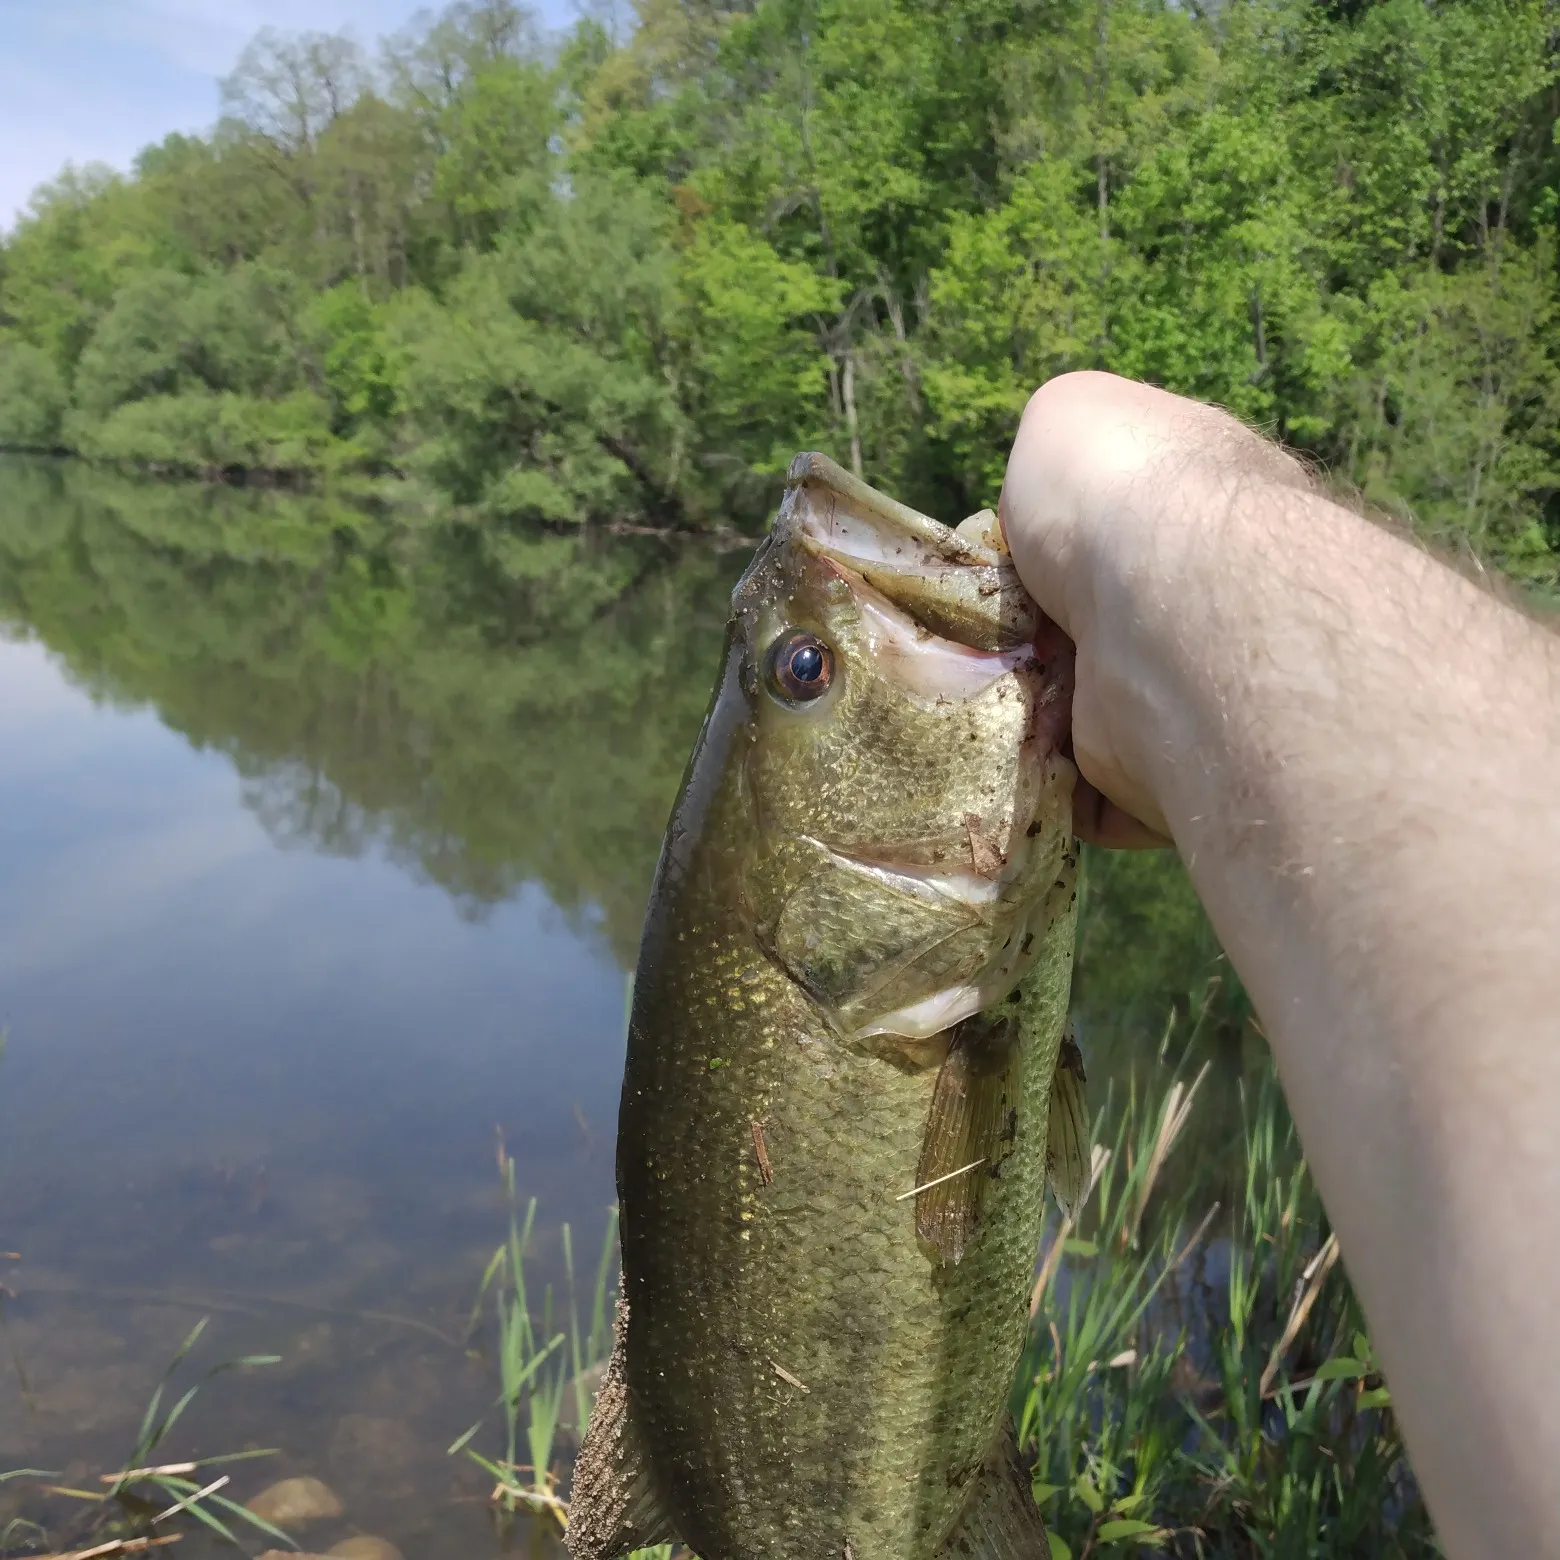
543 1362
1198 1379
145 1497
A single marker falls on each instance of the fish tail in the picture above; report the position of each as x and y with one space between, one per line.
613 1505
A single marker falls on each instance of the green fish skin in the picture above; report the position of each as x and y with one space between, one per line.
853 981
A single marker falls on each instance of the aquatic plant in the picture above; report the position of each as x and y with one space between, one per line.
544 1365
147 1491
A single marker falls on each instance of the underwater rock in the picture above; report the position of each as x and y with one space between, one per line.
372 1451
362 1546
296 1500
365 1546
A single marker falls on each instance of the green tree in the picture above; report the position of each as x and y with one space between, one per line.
623 278
546 388
495 165
136 350
1457 419
33 398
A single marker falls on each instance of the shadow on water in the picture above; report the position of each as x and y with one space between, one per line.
325 835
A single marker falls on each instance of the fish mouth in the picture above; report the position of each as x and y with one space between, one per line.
856 522
959 584
917 658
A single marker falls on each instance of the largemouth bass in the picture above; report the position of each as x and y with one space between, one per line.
847 1017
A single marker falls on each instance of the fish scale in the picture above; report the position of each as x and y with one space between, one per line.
808 1362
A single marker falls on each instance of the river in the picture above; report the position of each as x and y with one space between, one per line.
324 839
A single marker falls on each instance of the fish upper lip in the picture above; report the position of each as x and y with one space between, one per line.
967 555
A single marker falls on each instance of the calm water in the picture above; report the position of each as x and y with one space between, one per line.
324 840
258 1082
322 850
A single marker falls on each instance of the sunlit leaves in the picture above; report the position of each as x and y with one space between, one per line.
625 279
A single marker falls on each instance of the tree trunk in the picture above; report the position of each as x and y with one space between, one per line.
848 391
907 369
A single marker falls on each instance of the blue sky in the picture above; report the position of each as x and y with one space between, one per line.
96 80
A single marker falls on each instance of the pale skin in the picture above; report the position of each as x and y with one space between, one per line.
1355 751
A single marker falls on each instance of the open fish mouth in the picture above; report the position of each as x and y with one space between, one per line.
958 583
918 658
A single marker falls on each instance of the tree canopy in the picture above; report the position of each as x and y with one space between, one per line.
622 275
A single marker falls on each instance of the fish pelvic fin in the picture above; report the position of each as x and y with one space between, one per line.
1002 1521
1067 1131
613 1505
970 1130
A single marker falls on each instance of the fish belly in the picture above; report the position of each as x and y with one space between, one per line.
809 1380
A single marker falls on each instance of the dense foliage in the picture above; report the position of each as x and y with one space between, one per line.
622 275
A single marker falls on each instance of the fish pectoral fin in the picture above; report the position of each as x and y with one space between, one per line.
613 1506
1001 1521
1067 1131
970 1129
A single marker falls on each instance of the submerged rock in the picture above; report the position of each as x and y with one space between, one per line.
365 1546
371 1449
296 1500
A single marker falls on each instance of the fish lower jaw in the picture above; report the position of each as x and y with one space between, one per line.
945 881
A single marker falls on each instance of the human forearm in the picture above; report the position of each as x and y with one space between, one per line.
1353 750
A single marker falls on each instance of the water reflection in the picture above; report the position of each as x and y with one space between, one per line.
260 1083
321 850
324 841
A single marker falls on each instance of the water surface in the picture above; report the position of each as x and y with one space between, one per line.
322 849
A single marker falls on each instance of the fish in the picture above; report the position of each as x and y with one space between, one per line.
845 1051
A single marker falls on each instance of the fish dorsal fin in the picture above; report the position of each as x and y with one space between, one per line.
613 1505
970 1130
1067 1131
1002 1521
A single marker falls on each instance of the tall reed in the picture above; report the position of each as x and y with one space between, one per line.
1198 1379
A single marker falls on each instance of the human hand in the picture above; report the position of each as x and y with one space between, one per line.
1112 491
1353 749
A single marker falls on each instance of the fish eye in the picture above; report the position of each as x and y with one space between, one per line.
801 667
